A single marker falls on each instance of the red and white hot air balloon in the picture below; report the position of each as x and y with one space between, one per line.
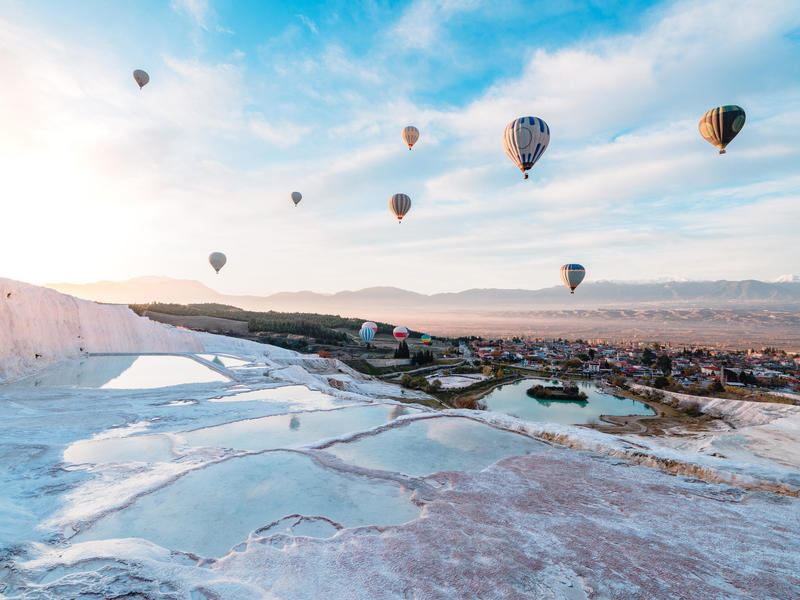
371 325
400 333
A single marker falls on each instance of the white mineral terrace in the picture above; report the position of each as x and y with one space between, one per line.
142 461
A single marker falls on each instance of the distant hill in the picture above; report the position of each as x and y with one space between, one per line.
720 294
733 313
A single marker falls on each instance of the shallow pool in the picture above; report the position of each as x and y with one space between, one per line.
295 429
209 510
124 372
438 444
512 399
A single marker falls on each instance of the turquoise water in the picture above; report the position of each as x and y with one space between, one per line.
512 399
209 510
439 444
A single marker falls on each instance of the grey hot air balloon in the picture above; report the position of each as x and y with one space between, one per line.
217 260
296 197
410 135
572 275
400 204
141 78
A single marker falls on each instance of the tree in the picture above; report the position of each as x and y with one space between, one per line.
664 364
402 350
661 382
716 387
648 356
487 371
592 353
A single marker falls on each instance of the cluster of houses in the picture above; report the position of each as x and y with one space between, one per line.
637 360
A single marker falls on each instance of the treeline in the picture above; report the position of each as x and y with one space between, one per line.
321 327
323 335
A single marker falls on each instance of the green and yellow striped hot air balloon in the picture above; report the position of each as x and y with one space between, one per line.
720 125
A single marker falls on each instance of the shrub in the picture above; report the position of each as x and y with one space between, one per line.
693 409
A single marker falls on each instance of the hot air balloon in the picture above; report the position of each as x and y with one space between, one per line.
525 140
141 78
367 333
371 325
410 135
400 204
217 260
426 339
720 125
296 197
572 275
400 333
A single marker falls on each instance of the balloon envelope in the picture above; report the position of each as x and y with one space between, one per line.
426 339
366 334
720 125
400 333
410 135
296 197
572 275
525 140
217 260
371 325
141 78
399 204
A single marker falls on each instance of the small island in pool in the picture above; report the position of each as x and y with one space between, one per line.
567 392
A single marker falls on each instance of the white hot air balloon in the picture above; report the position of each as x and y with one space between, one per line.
400 204
410 135
141 78
525 140
296 197
371 325
217 260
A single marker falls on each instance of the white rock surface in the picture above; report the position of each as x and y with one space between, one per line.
39 326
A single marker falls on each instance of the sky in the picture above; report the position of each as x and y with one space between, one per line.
249 101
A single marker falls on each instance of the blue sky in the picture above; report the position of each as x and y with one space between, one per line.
249 101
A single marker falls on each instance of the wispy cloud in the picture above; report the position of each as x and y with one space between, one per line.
201 12
312 27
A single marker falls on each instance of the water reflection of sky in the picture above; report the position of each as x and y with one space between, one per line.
124 372
512 399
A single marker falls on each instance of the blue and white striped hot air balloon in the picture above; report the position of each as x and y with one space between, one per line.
367 334
525 140
572 275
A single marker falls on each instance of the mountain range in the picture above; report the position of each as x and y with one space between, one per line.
695 294
728 313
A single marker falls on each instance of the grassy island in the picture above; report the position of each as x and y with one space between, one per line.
568 392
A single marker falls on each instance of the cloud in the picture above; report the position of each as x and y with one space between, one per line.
421 24
207 154
201 12
283 134
312 27
198 10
